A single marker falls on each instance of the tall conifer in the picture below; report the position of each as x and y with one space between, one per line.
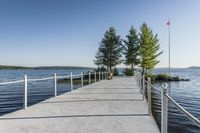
131 49
110 50
149 48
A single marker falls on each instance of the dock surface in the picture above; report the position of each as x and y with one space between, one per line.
108 106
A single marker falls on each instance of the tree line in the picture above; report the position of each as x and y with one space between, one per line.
138 49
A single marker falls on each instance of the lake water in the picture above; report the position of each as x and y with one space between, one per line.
185 93
11 96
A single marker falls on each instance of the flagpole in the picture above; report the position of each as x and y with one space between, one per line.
169 48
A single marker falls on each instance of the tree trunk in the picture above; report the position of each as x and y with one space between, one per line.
132 70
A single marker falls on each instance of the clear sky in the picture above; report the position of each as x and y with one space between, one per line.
68 32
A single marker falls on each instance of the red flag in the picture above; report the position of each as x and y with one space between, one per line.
168 23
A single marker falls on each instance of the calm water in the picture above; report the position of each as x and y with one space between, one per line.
11 96
185 93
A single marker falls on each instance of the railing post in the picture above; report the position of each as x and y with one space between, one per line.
95 77
149 95
164 109
102 75
82 79
143 86
89 78
107 75
71 79
25 91
140 80
99 75
55 85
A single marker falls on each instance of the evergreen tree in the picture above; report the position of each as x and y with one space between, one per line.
149 48
131 50
109 52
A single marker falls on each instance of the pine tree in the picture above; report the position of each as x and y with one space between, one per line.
149 48
110 50
131 49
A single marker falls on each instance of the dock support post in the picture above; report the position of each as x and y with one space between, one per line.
25 91
82 79
71 79
164 109
55 85
143 87
95 77
149 95
89 78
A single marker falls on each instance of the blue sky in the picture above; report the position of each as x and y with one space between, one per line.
68 32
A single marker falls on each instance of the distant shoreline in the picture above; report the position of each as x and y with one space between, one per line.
2 67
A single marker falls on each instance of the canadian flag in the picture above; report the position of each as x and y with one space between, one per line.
168 22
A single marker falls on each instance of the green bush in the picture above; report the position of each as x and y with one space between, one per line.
128 72
162 77
115 72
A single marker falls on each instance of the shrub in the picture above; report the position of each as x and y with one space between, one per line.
115 72
128 72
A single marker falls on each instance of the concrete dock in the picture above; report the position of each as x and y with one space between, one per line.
108 106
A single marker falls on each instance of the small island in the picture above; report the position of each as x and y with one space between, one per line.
194 67
165 78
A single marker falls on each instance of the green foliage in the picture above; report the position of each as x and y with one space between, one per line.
128 72
150 75
149 48
115 72
131 49
159 77
14 67
101 69
110 50
162 77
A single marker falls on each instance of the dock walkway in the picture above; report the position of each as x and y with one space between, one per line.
108 106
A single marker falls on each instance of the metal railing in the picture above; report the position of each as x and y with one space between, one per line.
165 97
102 76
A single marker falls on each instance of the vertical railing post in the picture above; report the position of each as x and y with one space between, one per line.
82 79
102 75
99 75
140 82
143 86
95 76
71 79
107 75
89 78
149 95
25 91
55 85
164 109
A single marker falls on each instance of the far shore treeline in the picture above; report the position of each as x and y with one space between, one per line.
2 67
137 49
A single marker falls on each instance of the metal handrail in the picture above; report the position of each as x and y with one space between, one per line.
185 112
55 77
155 88
164 103
61 77
12 82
